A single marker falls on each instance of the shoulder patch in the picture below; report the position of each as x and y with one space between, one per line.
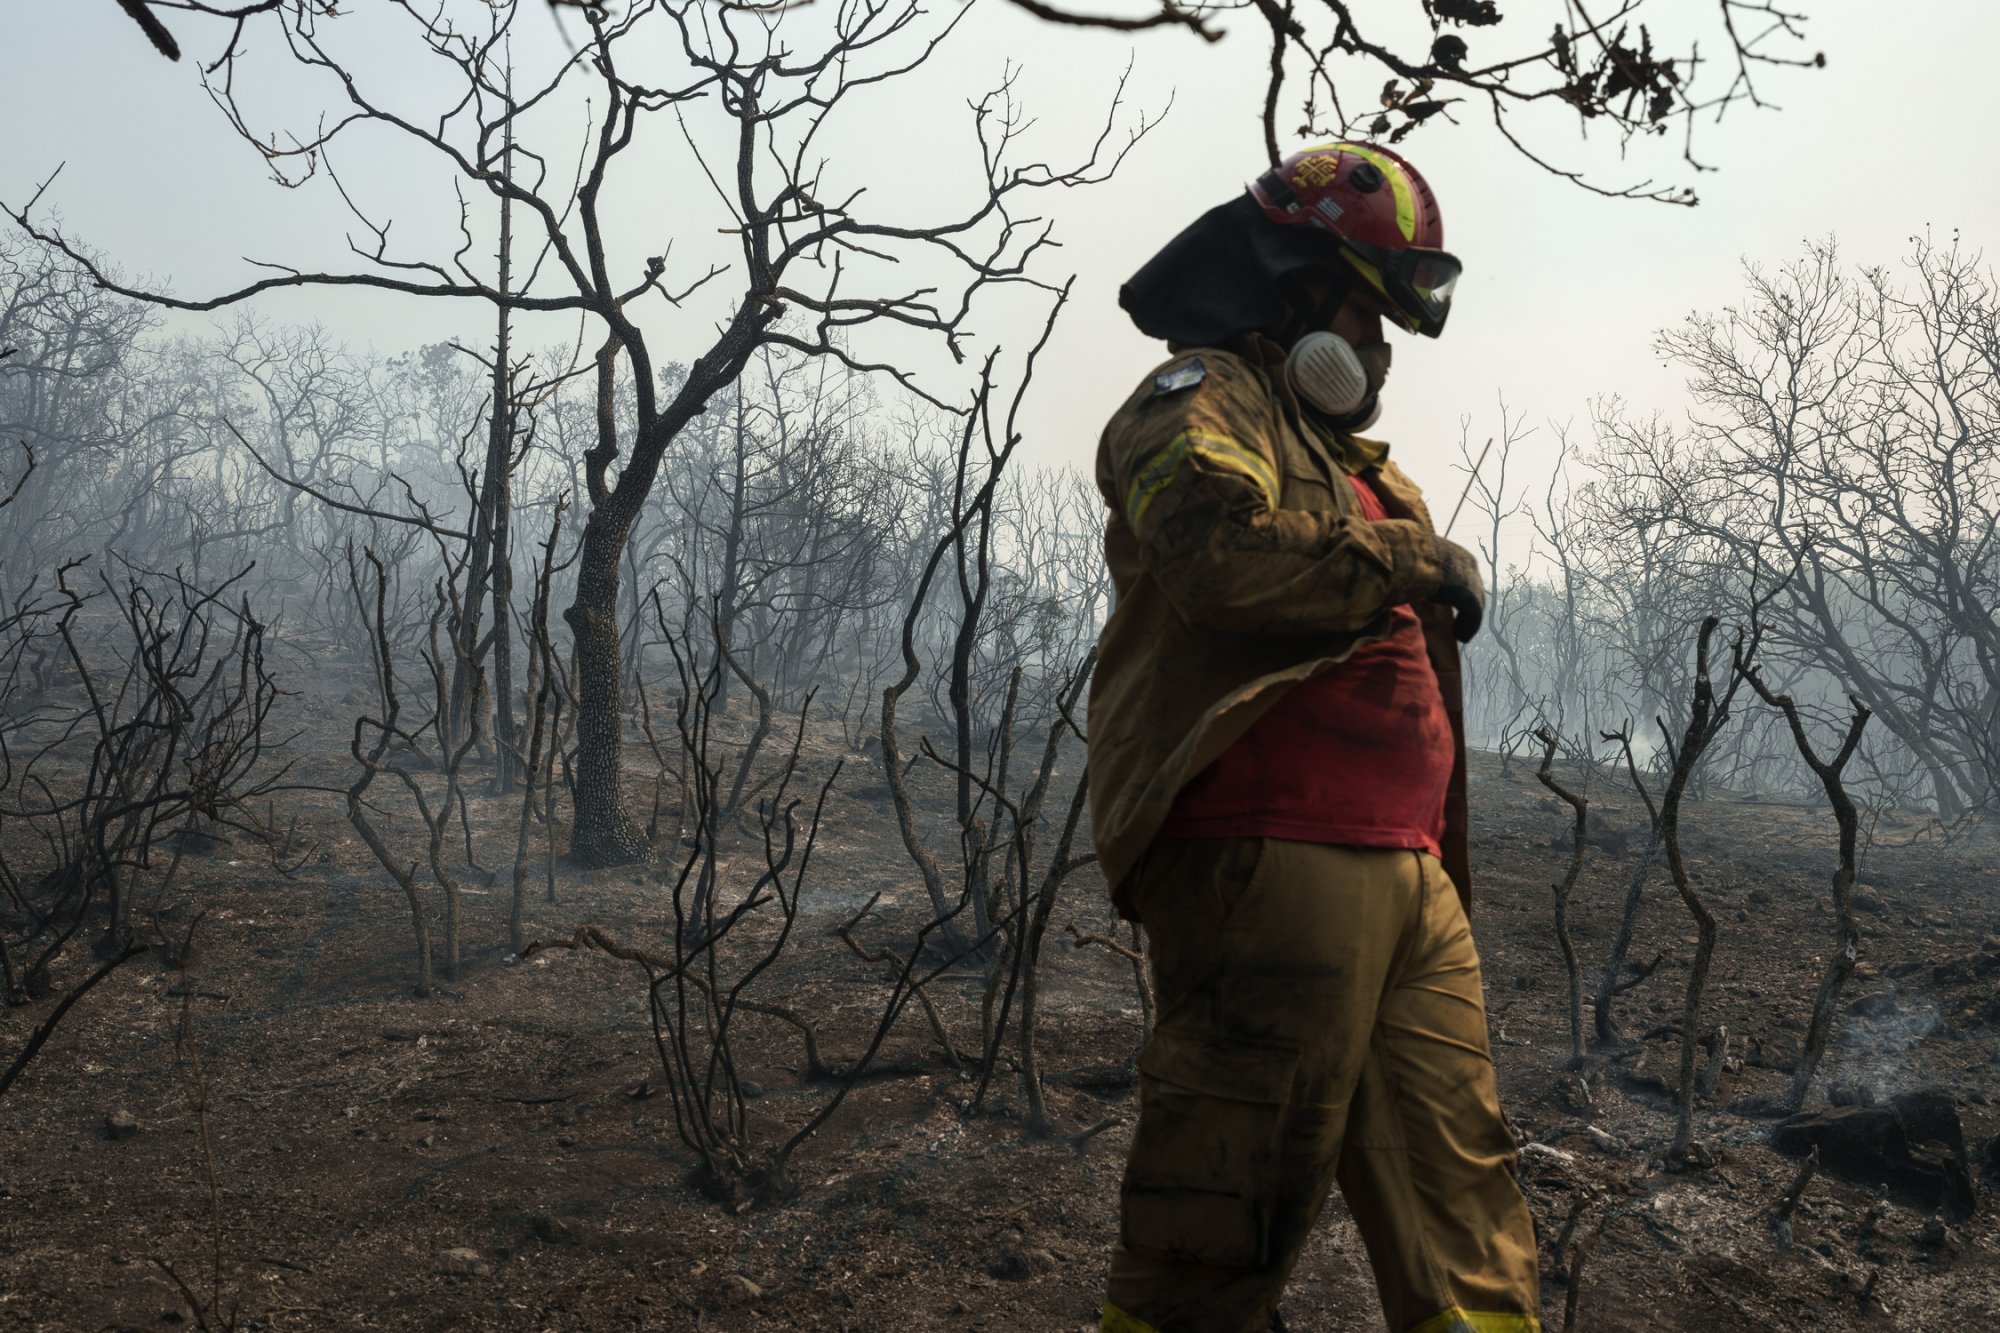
1184 376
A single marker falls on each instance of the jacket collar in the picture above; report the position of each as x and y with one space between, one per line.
1353 453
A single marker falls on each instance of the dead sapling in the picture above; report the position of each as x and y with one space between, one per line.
721 810
696 992
1708 713
454 746
908 982
170 741
213 1309
542 740
1565 1234
1846 952
1619 975
1026 920
1781 1216
1135 956
1579 1255
980 458
372 759
1580 805
1573 1278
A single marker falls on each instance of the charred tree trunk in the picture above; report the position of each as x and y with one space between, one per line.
1581 806
1706 716
541 728
729 598
1847 947
371 764
496 494
489 569
1612 982
605 833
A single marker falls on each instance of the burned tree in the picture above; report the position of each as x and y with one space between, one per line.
814 267
1846 448
1847 945
1580 806
1620 975
1618 71
143 746
1708 713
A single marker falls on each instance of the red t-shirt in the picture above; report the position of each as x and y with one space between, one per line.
1360 754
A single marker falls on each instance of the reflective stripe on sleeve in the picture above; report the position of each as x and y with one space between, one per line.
1159 471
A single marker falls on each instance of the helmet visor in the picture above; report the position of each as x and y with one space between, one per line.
1417 284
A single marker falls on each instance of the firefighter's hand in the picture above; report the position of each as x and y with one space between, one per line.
1463 590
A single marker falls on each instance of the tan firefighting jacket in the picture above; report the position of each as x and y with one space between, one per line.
1242 564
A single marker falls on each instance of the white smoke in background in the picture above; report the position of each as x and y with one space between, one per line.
1876 1043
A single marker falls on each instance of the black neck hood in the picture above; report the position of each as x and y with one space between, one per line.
1226 275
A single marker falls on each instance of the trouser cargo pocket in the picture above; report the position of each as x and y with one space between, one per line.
1202 1177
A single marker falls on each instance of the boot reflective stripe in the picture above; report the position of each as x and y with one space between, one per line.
1456 1320
1117 1321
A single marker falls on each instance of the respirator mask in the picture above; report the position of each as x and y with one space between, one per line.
1340 381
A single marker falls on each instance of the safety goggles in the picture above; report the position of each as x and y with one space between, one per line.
1415 283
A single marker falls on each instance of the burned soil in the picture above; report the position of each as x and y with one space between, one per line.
502 1154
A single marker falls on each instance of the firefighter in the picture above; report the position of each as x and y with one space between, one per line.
1277 779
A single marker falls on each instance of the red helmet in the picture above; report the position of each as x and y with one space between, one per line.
1383 216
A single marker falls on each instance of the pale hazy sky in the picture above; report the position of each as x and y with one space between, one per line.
1562 291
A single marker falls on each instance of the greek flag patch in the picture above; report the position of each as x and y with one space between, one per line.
1184 376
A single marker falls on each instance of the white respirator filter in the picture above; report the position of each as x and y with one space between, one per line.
1325 371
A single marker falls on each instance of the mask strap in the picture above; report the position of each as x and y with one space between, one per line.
1308 315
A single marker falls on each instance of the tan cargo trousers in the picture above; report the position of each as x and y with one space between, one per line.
1320 1017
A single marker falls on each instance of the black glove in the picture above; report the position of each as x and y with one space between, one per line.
1463 590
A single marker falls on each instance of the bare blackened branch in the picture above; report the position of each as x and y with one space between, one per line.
156 32
47 1027
1707 715
1579 834
1168 15
1846 952
422 520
